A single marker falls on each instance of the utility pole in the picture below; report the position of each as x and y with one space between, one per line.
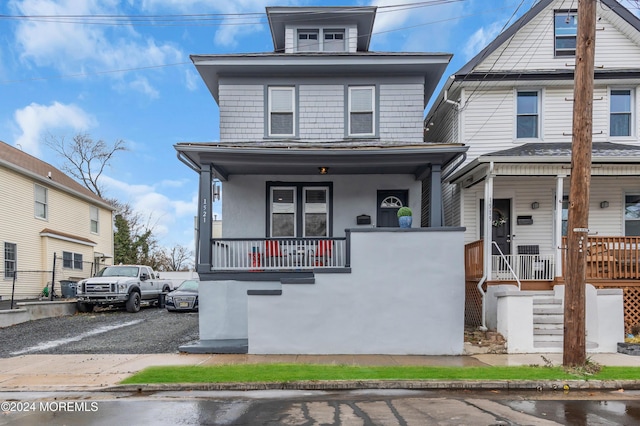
574 351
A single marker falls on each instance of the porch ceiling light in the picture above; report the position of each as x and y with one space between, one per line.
604 204
535 205
323 170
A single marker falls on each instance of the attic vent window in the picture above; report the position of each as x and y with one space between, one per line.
566 31
308 41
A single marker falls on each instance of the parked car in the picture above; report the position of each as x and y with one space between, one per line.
183 298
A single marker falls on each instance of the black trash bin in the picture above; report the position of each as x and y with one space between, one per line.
68 288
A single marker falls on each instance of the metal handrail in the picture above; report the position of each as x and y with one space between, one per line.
508 264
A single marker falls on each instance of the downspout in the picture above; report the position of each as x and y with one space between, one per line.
488 205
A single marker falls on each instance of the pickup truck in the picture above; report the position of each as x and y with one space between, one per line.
121 285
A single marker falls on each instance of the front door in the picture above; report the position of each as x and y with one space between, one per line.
389 201
500 224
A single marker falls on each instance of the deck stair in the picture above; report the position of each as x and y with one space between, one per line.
548 323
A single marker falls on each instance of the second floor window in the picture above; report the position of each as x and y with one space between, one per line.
620 108
566 30
10 250
528 115
72 260
94 214
361 111
41 206
281 111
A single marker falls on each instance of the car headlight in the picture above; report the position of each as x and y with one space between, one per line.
121 288
169 299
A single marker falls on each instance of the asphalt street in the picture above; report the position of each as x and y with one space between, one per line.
364 408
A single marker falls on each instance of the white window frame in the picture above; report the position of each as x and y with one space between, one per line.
14 261
538 114
334 31
304 210
373 111
38 202
76 258
295 210
624 211
309 31
631 111
292 89
564 53
92 219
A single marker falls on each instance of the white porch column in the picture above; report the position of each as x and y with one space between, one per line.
558 224
488 218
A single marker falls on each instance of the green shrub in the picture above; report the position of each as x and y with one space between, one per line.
404 211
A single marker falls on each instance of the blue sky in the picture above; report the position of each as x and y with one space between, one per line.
126 78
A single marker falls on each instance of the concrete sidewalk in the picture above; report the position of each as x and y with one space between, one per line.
102 372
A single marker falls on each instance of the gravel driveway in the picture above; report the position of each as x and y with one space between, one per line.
151 330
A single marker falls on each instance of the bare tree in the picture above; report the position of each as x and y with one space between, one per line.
178 258
85 158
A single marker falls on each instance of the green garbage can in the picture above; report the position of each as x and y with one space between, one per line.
68 288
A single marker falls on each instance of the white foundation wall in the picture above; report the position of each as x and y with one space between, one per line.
404 295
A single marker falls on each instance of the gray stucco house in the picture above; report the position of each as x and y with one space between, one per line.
321 141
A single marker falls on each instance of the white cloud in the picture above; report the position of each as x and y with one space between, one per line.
142 85
192 80
76 48
481 38
170 219
35 119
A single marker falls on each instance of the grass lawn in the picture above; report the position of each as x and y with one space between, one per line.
238 373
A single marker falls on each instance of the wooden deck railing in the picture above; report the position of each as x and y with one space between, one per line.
473 260
610 258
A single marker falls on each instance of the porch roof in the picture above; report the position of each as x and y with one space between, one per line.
552 153
305 158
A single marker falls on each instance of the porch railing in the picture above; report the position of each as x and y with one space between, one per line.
610 258
278 254
527 267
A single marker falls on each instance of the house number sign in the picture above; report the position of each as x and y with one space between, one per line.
204 210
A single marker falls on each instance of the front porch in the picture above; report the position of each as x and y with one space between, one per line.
612 263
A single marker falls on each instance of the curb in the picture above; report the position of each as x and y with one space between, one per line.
524 385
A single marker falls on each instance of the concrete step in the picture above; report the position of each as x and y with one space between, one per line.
547 319
548 331
546 301
544 346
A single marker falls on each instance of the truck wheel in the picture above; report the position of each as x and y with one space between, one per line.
85 307
133 303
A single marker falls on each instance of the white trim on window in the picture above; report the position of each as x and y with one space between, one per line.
284 205
620 110
528 114
631 214
315 207
10 259
565 25
94 220
281 105
71 260
41 202
362 111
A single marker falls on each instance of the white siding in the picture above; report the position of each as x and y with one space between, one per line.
532 47
351 33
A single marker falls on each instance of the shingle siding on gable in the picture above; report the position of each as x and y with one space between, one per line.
532 47
401 112
241 112
322 109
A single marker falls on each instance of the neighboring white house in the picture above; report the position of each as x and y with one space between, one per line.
512 105
45 212
321 141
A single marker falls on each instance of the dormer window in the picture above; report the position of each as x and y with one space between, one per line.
321 40
566 31
334 41
308 41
